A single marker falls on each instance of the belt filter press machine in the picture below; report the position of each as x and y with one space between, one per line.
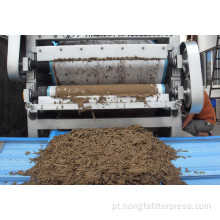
89 81
108 81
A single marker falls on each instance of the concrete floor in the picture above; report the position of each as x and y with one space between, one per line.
216 130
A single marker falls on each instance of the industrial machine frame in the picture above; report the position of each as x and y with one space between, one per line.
33 58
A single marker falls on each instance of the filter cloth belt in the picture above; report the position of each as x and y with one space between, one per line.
95 72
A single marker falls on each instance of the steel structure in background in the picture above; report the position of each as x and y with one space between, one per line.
215 69
43 61
207 46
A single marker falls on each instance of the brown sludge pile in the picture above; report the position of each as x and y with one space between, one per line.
129 155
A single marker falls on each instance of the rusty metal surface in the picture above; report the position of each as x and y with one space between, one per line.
94 72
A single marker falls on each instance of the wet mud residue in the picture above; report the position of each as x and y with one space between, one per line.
103 90
75 93
27 152
106 156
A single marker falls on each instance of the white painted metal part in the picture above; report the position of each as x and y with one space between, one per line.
111 102
147 51
13 57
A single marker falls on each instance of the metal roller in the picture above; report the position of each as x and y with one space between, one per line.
117 90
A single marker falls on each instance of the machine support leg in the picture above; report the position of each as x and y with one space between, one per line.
176 127
32 129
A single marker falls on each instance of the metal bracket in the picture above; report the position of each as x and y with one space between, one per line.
25 64
26 95
179 61
180 92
